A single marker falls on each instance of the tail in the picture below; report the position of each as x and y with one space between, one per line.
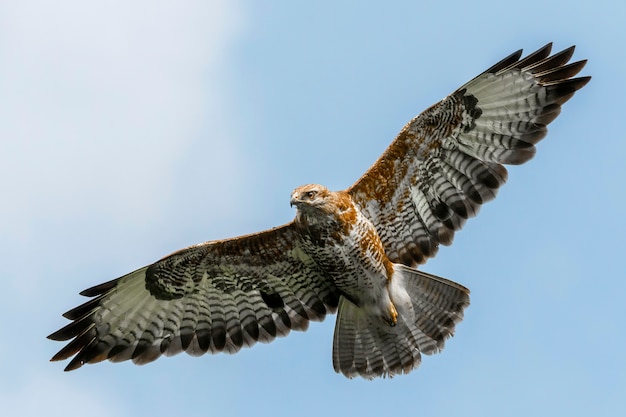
428 308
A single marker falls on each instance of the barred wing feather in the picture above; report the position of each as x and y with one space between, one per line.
214 297
448 161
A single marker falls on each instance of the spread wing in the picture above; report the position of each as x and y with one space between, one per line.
448 161
213 297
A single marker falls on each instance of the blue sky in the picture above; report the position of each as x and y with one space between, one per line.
131 129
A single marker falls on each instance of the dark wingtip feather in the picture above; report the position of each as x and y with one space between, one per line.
563 90
57 336
561 73
91 350
75 346
580 82
81 328
83 309
100 289
537 56
559 59
74 364
73 329
509 60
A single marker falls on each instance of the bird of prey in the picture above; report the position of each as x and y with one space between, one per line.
353 251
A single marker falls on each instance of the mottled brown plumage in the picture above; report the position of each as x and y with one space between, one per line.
354 250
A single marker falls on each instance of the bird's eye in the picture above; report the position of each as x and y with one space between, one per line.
311 194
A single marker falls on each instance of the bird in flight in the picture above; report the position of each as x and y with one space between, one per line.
353 251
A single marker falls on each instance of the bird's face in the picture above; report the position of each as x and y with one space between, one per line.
316 204
310 196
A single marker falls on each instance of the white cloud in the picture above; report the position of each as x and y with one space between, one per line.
98 99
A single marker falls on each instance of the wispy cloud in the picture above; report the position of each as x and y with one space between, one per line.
98 103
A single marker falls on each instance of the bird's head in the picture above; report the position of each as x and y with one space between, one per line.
317 204
310 196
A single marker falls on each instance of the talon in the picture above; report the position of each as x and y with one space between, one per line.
393 313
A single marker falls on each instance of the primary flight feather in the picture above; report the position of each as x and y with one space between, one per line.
354 250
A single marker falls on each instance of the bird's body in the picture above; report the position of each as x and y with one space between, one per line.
343 243
383 321
353 250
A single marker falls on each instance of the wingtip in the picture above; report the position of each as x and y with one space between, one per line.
100 288
54 336
583 81
73 365
510 59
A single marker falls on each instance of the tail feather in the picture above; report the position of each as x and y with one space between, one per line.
429 307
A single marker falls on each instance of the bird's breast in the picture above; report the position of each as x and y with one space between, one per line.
353 256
